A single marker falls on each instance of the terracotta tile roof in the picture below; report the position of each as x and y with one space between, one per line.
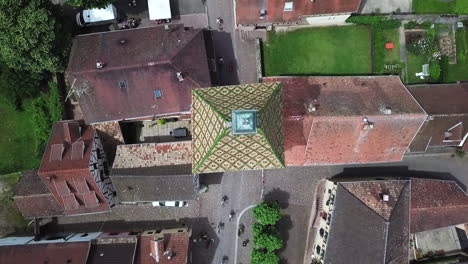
323 119
436 204
51 253
371 194
442 99
69 178
248 11
221 150
153 154
448 124
365 234
162 183
146 59
33 198
176 242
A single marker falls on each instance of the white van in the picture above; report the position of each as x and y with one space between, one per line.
97 16
159 9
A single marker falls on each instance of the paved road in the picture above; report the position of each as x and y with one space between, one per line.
229 46
293 187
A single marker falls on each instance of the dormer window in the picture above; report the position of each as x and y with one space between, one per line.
157 93
122 84
288 6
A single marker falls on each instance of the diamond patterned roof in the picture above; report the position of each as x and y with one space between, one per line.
216 149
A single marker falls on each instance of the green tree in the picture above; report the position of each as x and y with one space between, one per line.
269 241
461 7
263 257
267 213
90 3
28 36
16 86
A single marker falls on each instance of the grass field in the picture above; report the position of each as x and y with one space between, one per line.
432 7
459 71
415 63
328 50
17 145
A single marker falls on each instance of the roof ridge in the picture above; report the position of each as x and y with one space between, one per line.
399 196
281 161
124 67
201 97
208 153
363 202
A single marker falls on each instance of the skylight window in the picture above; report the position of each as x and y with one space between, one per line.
244 122
122 84
288 6
157 93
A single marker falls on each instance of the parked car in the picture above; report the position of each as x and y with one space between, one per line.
169 204
97 16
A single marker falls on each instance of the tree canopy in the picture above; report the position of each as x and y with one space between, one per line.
90 3
16 85
268 241
267 213
263 257
28 40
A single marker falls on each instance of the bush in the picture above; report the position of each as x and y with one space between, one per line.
161 122
460 153
267 213
411 25
434 70
426 25
444 67
44 111
16 86
375 21
263 257
423 46
414 24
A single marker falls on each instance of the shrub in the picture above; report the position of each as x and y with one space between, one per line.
444 67
161 122
263 257
460 153
434 70
375 21
44 111
16 86
267 213
426 25
411 25
268 241
423 46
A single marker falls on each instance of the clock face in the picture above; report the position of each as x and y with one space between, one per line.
98 167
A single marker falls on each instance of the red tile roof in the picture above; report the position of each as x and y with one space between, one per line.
335 132
175 242
52 253
33 199
248 11
147 59
69 179
436 204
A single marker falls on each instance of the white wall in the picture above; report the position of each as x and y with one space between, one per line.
327 20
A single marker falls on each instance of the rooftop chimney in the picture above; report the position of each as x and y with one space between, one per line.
385 197
166 27
180 77
386 110
312 107
99 65
367 124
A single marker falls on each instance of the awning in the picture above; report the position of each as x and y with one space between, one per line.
159 9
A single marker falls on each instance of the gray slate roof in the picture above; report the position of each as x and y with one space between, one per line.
162 183
359 234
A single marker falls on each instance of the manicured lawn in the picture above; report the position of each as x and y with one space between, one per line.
17 143
392 56
415 63
327 50
459 71
432 7
383 56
